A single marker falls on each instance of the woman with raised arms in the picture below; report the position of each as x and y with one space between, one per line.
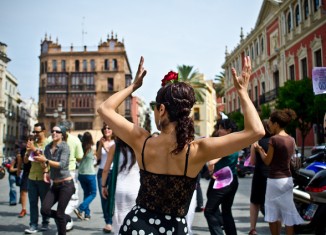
170 162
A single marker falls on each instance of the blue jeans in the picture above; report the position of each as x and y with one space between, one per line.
61 193
12 189
104 202
88 183
37 189
223 197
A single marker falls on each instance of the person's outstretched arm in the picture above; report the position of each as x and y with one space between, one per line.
215 147
128 131
106 171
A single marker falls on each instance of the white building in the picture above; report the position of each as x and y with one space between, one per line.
9 107
204 114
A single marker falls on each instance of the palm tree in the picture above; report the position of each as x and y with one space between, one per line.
220 85
187 75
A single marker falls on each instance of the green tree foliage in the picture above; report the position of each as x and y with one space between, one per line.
192 77
265 111
298 95
237 116
220 85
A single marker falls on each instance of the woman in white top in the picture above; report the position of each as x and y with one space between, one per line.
103 147
127 183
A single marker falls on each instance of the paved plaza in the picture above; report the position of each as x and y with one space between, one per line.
11 224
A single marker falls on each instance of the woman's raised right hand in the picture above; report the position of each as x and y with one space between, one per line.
241 82
141 73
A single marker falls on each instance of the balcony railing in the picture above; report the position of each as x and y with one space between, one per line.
56 88
51 110
268 96
83 87
82 111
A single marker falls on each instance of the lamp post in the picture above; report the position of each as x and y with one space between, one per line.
59 113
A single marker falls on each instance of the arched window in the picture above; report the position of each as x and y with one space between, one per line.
289 22
92 65
262 45
306 9
85 65
114 64
77 65
106 64
297 16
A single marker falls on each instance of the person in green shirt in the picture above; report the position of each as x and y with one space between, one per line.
87 177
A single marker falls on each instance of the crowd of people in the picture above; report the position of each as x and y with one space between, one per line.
150 184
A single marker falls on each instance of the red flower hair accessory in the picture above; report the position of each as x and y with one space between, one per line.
171 77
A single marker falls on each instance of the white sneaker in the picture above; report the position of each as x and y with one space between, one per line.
70 225
31 230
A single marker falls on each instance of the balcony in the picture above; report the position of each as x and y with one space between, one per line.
10 139
268 96
50 111
89 111
61 88
83 87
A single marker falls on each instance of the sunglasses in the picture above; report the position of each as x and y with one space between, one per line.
56 131
106 128
37 132
153 104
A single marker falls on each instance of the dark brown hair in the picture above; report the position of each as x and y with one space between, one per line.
124 148
103 128
87 142
283 117
266 127
178 98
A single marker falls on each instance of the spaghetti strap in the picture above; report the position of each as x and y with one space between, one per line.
187 156
142 152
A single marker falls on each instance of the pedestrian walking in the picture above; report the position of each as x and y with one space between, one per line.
23 172
259 180
169 163
103 149
222 195
279 204
56 159
76 154
12 178
124 184
87 177
37 188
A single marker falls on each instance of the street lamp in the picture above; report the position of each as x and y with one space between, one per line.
59 113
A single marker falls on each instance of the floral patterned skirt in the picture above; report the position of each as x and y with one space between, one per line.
141 221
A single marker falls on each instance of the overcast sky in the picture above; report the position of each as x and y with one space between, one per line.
166 32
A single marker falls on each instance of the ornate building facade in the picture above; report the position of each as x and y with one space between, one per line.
9 107
75 81
287 42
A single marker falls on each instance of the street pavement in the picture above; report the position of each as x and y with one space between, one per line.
11 224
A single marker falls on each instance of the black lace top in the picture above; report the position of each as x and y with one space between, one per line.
165 194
